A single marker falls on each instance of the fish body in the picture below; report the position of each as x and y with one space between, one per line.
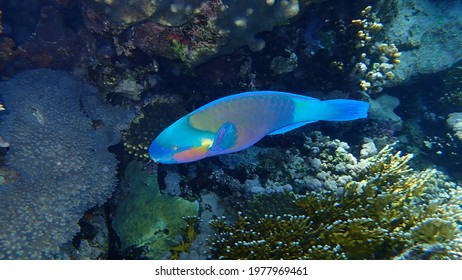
238 121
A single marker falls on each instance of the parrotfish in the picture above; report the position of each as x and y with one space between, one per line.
236 122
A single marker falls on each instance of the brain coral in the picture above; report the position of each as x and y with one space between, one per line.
63 162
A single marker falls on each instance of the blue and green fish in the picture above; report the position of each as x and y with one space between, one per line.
236 122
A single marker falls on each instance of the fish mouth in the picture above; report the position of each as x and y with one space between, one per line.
160 154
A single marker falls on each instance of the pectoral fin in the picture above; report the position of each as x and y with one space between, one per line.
225 138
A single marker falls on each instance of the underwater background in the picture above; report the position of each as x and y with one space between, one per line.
88 85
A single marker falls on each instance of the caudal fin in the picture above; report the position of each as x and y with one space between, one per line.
344 110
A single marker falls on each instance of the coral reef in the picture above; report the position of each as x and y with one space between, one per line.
444 147
148 218
377 60
54 44
387 210
210 207
318 196
386 45
383 108
155 116
190 235
63 163
92 241
126 80
452 88
3 143
309 162
421 29
454 121
192 31
7 52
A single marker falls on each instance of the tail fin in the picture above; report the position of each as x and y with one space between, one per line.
344 110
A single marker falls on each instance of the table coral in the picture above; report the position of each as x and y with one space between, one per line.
63 163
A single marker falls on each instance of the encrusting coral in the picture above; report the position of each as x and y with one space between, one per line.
149 218
62 162
388 210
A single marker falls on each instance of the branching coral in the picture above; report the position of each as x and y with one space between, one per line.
376 60
385 209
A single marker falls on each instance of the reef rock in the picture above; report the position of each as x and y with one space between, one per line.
454 121
422 29
192 31
382 108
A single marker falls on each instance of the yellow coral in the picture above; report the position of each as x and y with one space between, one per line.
386 209
377 60
190 236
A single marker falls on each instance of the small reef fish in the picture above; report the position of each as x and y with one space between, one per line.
238 121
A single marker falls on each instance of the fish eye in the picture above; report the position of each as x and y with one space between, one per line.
175 147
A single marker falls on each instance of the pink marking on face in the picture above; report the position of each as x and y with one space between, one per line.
191 154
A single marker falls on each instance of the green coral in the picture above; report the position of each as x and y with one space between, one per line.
148 218
385 210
